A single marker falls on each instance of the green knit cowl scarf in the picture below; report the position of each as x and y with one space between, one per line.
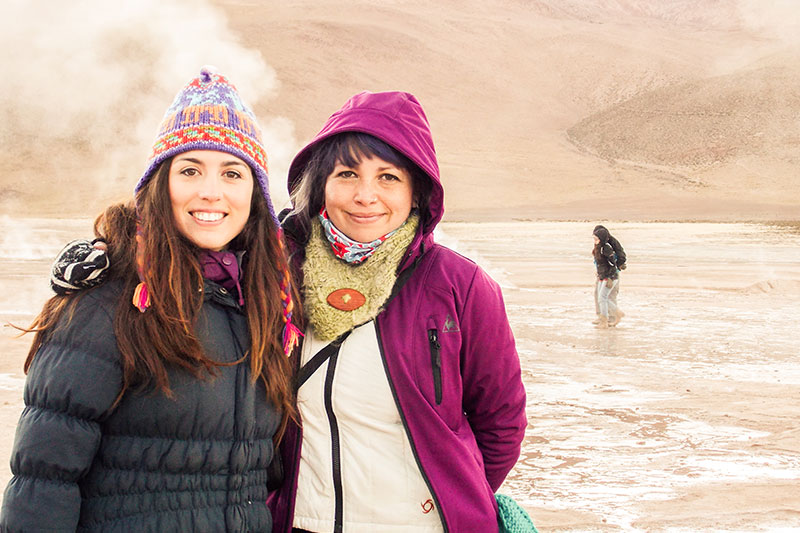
324 273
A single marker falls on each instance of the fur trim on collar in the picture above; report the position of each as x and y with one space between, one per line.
374 278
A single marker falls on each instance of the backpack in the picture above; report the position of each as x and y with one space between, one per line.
620 259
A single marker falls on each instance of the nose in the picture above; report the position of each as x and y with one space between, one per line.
210 188
365 192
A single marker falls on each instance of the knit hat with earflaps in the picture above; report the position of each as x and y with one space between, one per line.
208 114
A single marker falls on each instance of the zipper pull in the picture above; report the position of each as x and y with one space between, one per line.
433 339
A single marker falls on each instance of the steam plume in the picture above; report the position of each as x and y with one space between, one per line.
85 84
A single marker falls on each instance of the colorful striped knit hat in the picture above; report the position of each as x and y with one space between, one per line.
208 114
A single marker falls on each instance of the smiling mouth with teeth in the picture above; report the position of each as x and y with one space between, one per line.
207 217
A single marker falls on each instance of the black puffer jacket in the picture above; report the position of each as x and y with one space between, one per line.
196 462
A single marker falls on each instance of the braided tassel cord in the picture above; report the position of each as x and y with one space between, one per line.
141 297
291 333
291 338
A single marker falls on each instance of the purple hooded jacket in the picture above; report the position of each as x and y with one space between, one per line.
446 345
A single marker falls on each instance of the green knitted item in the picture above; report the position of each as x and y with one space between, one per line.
512 518
324 273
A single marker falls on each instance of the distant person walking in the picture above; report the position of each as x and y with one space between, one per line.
609 259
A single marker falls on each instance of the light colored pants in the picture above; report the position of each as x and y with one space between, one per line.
605 299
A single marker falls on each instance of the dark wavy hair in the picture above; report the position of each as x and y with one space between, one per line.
349 148
164 335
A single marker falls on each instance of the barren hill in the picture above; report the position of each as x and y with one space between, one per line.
709 121
564 109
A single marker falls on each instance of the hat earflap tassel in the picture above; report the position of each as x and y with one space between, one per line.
141 297
291 337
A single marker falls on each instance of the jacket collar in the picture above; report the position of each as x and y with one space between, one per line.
216 293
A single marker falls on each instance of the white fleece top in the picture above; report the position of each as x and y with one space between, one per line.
383 489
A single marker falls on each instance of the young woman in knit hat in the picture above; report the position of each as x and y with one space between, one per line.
409 388
153 401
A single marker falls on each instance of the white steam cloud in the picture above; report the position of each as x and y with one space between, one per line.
85 84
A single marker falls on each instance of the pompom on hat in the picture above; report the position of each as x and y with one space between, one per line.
208 114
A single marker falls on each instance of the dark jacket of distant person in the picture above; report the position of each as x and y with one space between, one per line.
606 259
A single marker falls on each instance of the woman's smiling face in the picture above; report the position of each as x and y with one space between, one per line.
370 199
210 192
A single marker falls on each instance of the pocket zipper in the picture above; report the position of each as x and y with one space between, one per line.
436 363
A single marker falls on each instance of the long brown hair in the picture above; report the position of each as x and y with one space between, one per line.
164 335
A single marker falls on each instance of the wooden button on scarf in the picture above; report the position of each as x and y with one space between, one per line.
346 299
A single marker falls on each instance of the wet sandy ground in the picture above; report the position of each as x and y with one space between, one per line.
685 417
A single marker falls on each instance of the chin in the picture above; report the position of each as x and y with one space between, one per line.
212 245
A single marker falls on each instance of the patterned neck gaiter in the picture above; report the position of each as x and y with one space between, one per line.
344 247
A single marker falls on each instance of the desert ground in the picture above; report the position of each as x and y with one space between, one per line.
674 122
541 109
683 418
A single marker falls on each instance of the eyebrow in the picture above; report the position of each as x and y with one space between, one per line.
224 163
379 169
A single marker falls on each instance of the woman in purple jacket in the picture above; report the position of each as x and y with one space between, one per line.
409 392
409 386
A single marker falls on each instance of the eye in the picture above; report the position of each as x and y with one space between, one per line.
346 174
233 174
390 177
190 171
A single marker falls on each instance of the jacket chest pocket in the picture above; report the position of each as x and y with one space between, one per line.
439 367
436 363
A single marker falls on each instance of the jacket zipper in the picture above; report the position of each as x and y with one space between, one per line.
405 427
436 363
229 488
